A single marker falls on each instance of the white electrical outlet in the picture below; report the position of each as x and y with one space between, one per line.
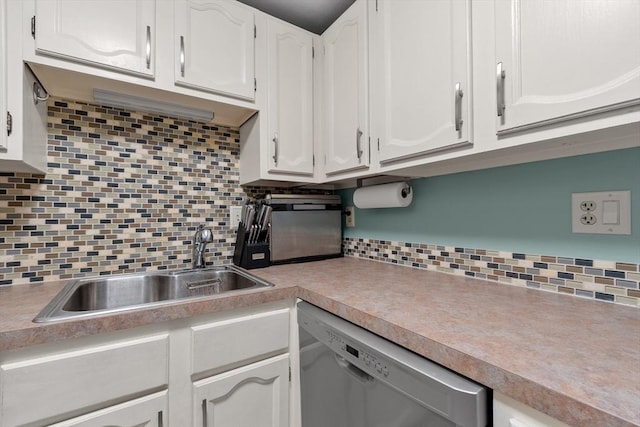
350 213
588 205
606 212
234 216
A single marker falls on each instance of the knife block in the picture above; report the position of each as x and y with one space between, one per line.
250 255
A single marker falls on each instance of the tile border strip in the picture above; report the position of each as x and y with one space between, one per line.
610 281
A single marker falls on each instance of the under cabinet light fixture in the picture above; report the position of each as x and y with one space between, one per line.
136 103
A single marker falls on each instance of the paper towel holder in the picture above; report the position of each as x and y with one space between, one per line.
387 192
385 179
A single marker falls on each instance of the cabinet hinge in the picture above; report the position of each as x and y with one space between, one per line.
33 26
255 84
313 52
255 32
378 144
9 123
289 373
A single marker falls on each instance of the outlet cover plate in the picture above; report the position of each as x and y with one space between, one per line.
350 218
234 216
606 212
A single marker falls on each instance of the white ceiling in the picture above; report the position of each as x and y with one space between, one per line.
312 15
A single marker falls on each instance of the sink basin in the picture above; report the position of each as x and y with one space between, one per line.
100 295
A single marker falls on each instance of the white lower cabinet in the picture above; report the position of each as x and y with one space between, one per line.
250 396
511 413
225 369
148 411
54 386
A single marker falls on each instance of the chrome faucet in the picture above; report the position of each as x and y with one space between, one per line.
202 237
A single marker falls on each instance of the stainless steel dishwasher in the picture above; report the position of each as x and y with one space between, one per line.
351 377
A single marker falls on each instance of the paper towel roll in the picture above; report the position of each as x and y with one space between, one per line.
394 195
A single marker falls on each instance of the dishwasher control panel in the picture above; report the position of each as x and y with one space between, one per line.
365 357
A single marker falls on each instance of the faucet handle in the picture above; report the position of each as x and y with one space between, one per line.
203 235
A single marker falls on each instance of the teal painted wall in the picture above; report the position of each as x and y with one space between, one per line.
522 208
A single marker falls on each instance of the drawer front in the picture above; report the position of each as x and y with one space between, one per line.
231 343
50 386
148 411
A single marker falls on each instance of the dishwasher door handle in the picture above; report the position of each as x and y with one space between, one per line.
353 370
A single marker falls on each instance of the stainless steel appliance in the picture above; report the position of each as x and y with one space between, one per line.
353 378
305 227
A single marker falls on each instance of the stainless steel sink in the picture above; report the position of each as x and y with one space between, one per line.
100 295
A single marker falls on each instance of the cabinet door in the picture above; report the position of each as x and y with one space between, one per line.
421 91
113 33
254 395
4 117
290 94
215 46
148 411
564 59
345 90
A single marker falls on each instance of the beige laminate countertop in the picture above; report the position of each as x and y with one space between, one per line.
577 360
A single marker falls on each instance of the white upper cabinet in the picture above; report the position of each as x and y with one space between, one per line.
277 143
564 58
346 131
23 105
4 115
420 77
214 48
290 98
118 34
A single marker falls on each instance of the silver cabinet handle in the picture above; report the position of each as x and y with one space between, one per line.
359 144
500 74
275 148
182 56
9 123
204 413
37 96
148 47
458 100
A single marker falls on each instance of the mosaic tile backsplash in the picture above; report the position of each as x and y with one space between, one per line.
124 192
601 280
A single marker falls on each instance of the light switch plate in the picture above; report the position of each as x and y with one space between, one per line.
606 212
